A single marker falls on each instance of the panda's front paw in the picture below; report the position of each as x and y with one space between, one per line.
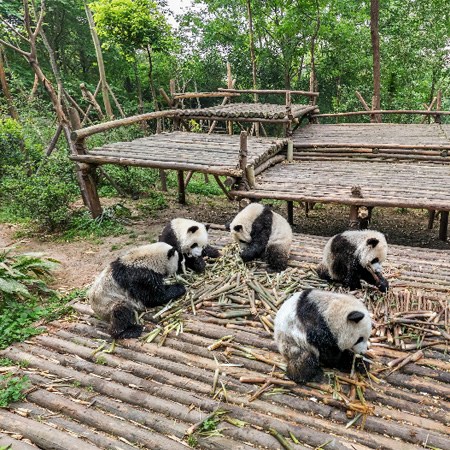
383 285
362 365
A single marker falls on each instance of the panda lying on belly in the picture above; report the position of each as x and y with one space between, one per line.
353 256
314 328
190 238
262 233
133 282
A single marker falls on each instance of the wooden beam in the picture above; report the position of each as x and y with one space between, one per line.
381 111
269 91
180 95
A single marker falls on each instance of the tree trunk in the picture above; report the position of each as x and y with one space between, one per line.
101 66
253 58
374 33
9 100
312 75
152 87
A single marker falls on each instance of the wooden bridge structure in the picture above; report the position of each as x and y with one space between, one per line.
357 164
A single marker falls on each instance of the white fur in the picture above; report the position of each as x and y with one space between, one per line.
281 233
335 309
364 253
105 293
187 239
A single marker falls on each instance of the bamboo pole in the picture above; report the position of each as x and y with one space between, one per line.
381 111
270 91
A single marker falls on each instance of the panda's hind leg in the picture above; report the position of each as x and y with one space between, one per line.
277 257
303 366
123 323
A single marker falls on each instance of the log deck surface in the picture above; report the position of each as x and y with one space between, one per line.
253 111
147 396
394 165
207 153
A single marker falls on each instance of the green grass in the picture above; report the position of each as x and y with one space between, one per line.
12 389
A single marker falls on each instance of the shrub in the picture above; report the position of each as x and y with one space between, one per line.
11 389
44 197
11 139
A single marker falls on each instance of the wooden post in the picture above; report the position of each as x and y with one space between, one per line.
443 227
431 216
181 189
290 212
243 158
290 150
251 176
85 172
437 117
229 86
354 222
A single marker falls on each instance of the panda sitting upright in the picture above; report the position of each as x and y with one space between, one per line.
190 238
262 233
133 282
314 328
353 256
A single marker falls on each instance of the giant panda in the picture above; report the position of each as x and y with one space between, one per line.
355 255
315 327
133 282
190 238
262 233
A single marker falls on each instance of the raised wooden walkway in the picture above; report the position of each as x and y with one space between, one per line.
208 153
144 395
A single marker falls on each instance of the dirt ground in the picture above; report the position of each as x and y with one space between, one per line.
82 260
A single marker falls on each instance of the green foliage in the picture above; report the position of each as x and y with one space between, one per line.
24 296
43 198
12 389
11 138
109 223
155 201
131 25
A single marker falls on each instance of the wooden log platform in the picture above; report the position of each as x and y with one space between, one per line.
215 154
148 395
253 112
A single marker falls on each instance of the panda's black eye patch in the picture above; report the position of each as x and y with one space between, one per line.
359 340
194 245
374 261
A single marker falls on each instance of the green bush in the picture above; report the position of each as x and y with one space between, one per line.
43 198
11 141
12 389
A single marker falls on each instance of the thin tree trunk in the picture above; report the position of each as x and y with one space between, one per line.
9 100
374 33
253 58
312 75
101 66
152 87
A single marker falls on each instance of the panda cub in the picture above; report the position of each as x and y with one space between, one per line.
315 327
190 238
133 282
262 233
353 256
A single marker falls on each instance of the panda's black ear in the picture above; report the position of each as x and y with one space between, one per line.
372 242
193 229
171 252
355 316
238 228
207 226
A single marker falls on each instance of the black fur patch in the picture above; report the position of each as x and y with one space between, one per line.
195 263
320 336
346 266
373 242
259 235
210 252
123 323
276 258
355 316
168 236
192 229
142 284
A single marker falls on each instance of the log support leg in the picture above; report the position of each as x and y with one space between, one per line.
86 181
354 222
431 217
181 188
163 178
290 212
443 227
